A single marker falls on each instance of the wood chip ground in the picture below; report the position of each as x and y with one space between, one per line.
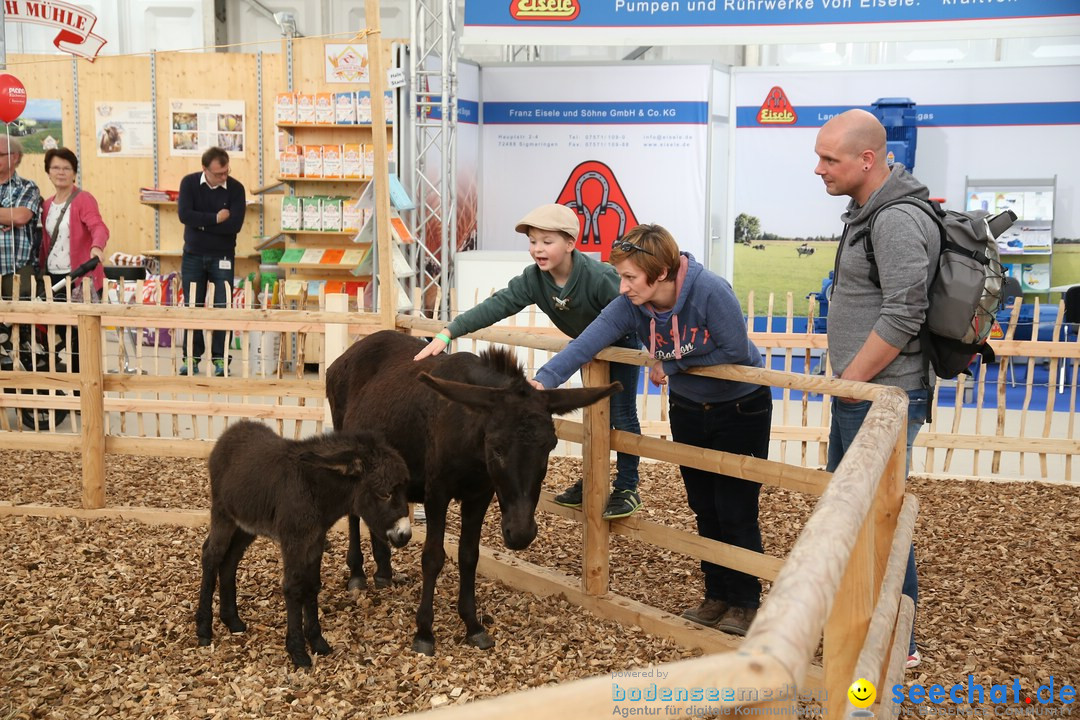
96 617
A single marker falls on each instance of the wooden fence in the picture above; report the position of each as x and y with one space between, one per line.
841 580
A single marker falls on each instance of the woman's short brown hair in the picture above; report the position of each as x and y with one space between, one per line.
651 248
64 154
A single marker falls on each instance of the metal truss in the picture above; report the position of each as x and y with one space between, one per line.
430 164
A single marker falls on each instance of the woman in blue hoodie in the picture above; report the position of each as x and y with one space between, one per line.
691 318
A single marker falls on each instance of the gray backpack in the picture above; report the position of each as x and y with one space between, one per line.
967 289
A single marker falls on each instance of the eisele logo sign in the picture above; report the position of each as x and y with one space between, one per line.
544 9
776 110
76 24
593 192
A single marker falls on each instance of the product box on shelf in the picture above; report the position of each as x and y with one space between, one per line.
331 214
324 108
313 161
331 158
369 161
290 213
290 162
345 108
352 161
352 215
311 218
363 107
305 108
285 108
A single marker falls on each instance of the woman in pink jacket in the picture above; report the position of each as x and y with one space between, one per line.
72 229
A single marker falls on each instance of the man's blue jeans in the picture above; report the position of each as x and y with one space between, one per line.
726 507
203 270
847 418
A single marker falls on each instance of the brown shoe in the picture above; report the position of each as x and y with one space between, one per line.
737 620
708 613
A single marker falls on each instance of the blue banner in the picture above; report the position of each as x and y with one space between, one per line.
468 111
971 115
600 113
739 13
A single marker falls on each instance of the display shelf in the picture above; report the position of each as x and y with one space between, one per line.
326 126
1026 248
323 233
320 267
355 181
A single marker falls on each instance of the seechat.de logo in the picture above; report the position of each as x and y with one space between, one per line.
544 9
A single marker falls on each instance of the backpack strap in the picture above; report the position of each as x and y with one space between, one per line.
934 211
930 207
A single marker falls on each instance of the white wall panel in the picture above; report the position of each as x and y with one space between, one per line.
166 25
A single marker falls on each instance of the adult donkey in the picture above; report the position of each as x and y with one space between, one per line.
469 427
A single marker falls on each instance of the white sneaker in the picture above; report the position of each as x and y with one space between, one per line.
418 515
913 660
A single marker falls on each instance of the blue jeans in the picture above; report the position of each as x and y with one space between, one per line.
726 507
846 420
624 417
203 270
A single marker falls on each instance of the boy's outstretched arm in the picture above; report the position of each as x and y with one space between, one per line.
439 343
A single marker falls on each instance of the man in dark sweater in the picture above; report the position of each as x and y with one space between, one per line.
212 207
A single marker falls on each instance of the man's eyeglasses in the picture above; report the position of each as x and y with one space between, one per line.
627 246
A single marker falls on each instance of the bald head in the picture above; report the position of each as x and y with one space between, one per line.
851 149
859 130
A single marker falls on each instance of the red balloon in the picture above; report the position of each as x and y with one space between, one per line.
12 97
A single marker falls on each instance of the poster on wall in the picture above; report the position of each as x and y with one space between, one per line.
124 129
196 125
620 146
346 62
1004 122
39 127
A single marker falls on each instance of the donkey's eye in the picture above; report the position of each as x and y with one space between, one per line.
383 498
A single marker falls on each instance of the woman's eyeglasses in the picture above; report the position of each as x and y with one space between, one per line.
627 246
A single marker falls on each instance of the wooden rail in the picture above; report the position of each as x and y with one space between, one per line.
839 582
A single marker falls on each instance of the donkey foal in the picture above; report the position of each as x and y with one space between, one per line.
293 491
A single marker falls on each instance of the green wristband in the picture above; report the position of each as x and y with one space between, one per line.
444 337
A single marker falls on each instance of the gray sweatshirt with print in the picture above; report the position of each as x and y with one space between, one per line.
905 241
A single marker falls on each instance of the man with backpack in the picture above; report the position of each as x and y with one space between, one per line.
874 322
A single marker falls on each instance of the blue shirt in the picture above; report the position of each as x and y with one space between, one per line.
17 243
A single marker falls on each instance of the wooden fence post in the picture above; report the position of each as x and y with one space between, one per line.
335 339
596 465
92 406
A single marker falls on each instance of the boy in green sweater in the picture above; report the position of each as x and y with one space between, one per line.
570 288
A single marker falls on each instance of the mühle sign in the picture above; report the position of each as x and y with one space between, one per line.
76 24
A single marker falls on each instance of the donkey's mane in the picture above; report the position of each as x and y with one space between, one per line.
503 361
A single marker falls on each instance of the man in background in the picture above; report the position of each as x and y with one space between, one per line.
211 207
20 211
874 326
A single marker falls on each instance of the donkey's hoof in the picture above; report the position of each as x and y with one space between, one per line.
424 647
319 646
383 582
357 582
480 640
235 624
204 641
300 659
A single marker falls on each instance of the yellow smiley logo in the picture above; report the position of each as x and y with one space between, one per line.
862 693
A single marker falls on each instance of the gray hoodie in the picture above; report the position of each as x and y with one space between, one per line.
905 239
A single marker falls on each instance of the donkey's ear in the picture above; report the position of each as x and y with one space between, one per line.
343 462
477 397
564 401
